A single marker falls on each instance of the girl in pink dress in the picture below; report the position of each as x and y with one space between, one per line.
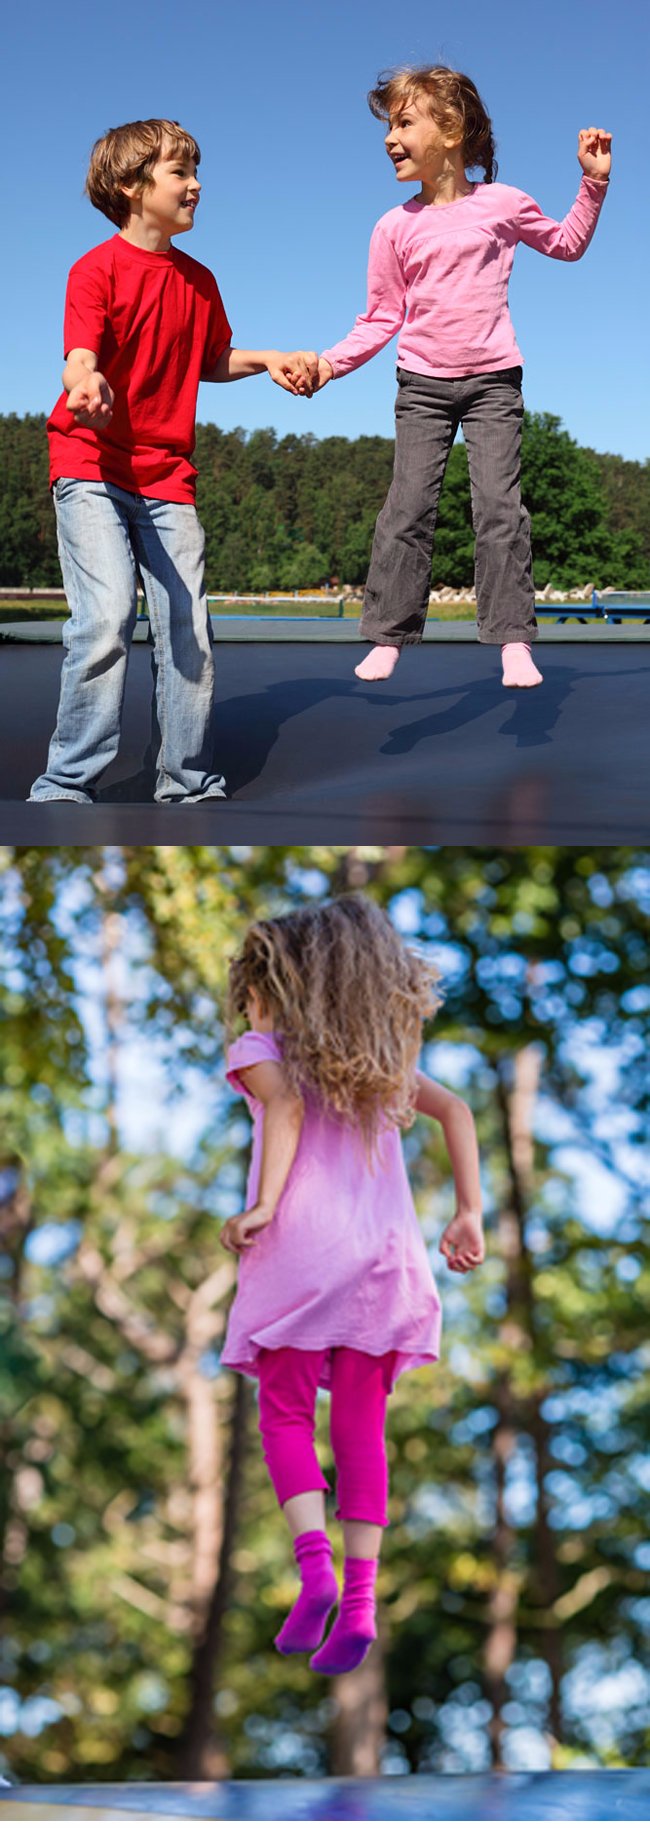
438 273
335 1287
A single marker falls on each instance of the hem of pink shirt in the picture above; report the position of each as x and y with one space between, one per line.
403 1359
414 365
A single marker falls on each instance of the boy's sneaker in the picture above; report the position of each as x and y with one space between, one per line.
197 799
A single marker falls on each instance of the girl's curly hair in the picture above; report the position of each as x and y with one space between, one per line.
454 104
348 1000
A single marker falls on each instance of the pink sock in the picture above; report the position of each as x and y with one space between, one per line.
354 1628
304 1627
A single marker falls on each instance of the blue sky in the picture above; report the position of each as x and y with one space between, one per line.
295 176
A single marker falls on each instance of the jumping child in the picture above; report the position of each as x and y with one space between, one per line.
438 272
335 1287
144 324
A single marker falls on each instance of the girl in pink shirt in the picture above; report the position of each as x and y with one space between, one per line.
335 1287
438 273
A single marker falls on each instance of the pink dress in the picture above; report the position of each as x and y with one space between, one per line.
343 1262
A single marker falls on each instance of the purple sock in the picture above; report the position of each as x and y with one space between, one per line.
304 1627
354 1628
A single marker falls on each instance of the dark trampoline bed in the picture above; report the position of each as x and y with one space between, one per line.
440 753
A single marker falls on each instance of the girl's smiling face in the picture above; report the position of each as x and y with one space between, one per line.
416 144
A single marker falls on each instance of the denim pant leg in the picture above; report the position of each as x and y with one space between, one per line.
170 548
399 579
100 584
492 420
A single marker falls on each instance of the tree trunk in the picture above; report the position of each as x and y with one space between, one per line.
200 1756
359 1725
355 869
16 1223
110 942
520 1151
205 1484
501 1641
548 1581
516 1099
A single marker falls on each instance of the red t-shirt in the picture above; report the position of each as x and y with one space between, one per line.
157 325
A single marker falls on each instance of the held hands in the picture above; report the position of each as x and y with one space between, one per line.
324 374
91 401
297 373
320 373
462 1243
239 1233
595 152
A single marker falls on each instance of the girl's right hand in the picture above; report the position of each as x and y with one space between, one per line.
239 1233
462 1243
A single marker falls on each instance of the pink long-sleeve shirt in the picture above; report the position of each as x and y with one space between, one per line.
439 274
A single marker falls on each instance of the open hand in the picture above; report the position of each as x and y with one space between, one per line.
91 401
595 152
462 1243
298 372
239 1233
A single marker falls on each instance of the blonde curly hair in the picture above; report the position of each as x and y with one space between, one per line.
348 999
454 104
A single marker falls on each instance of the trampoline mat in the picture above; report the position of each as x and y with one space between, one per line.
529 1796
440 753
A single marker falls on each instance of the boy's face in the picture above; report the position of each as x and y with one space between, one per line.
414 142
170 199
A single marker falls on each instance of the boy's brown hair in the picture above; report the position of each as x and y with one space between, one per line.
127 155
454 104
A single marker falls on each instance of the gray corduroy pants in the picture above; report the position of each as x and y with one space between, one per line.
490 409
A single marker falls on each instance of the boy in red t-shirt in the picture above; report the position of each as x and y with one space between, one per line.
144 324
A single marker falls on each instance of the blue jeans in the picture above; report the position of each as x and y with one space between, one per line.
104 533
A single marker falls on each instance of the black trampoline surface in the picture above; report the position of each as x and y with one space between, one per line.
531 1796
440 753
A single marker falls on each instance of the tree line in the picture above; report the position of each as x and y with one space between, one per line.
288 513
144 1567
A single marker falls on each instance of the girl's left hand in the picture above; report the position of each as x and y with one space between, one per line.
239 1233
595 152
323 375
297 372
462 1243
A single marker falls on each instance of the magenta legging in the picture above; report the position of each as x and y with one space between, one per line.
360 1383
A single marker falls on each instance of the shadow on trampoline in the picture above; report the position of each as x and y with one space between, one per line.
529 716
262 716
246 732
